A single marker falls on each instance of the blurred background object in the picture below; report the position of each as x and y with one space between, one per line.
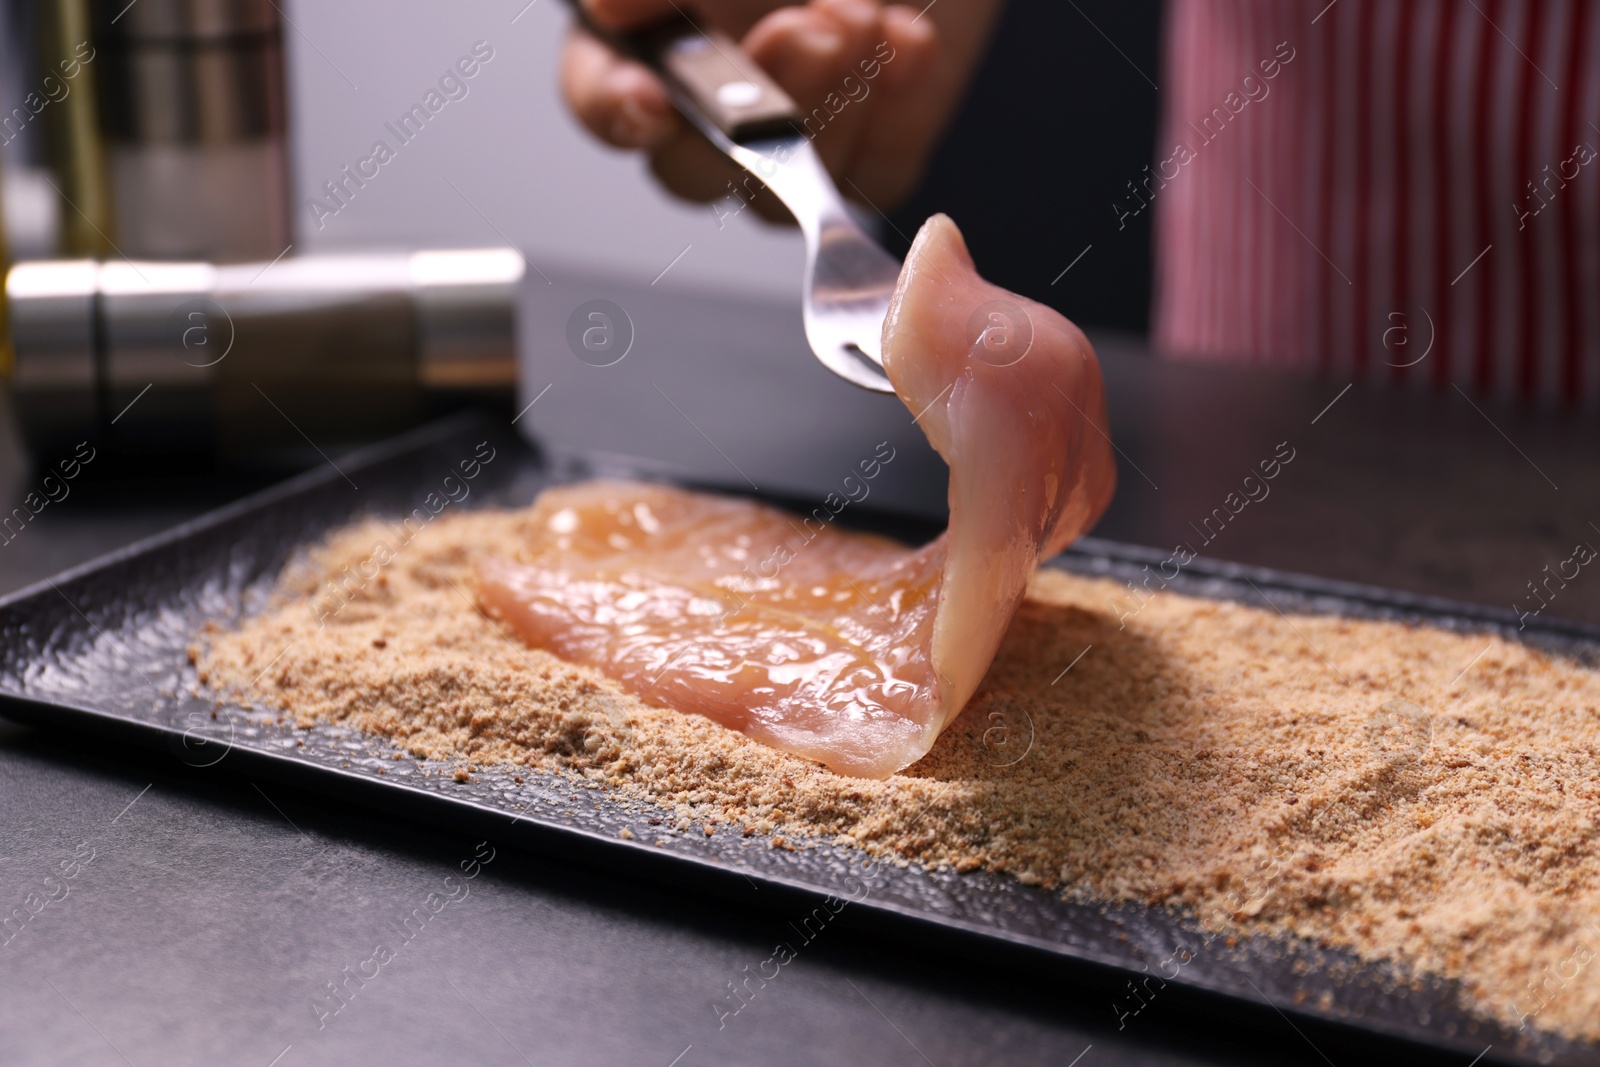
159 161
159 127
159 358
72 128
192 112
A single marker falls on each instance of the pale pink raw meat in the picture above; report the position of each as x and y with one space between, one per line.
836 646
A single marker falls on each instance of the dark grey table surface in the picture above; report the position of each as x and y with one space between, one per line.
209 912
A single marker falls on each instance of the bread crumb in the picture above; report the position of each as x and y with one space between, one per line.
1341 781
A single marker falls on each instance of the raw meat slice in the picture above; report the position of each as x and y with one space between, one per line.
1009 393
803 636
836 646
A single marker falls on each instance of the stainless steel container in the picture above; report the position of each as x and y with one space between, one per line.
192 109
257 361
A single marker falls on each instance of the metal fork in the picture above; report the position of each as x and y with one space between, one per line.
744 114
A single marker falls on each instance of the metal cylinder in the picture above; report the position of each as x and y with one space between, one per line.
256 361
192 108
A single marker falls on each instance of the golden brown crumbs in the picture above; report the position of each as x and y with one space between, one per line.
1404 792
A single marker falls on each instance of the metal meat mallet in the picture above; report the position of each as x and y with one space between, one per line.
742 112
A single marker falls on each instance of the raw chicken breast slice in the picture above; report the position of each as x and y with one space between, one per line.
1009 394
803 636
836 646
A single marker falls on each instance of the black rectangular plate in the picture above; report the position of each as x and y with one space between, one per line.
103 648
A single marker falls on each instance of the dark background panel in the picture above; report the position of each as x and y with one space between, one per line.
1062 115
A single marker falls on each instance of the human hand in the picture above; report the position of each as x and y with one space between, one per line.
874 80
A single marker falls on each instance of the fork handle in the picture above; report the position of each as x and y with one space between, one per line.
713 82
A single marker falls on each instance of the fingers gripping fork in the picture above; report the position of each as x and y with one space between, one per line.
744 114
